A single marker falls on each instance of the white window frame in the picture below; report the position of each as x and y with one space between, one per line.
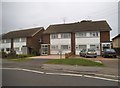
54 47
81 34
54 36
65 35
8 41
67 48
94 34
82 45
16 40
23 39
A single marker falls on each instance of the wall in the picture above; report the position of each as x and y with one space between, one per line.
33 42
46 40
87 41
60 41
105 36
116 43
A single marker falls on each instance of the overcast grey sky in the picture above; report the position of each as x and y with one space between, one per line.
18 15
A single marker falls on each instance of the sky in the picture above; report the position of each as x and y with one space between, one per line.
20 15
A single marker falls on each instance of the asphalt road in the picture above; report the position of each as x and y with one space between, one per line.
25 78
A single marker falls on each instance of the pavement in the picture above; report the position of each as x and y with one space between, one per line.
110 70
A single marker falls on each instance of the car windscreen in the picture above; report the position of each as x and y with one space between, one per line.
110 50
91 50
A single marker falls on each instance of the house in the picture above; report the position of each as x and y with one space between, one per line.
73 37
116 43
25 41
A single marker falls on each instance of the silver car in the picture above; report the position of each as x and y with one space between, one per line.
88 53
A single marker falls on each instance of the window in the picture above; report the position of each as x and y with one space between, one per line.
82 47
8 41
65 35
16 48
81 34
92 47
54 36
54 47
3 41
94 34
64 47
7 49
23 39
17 40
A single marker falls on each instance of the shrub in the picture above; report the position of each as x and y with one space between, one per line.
3 54
12 54
23 55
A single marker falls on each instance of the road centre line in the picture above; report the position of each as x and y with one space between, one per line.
65 74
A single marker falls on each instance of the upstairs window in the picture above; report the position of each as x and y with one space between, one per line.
54 36
65 35
23 39
94 34
81 34
8 41
17 40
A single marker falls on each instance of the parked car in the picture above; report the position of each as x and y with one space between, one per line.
109 53
88 53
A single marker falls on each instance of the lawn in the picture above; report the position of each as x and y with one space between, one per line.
74 61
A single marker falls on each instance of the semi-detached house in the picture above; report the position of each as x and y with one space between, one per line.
24 41
74 37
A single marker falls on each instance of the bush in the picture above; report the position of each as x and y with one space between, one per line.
34 53
3 54
12 54
23 55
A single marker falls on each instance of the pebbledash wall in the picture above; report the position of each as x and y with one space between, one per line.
17 44
60 44
89 41
86 41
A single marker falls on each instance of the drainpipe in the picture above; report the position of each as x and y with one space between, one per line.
12 45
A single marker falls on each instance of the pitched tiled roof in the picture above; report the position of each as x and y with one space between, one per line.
79 26
22 33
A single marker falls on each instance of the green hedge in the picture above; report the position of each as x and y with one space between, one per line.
23 55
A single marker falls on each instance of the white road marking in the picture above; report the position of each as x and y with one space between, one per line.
66 74
63 74
32 71
24 70
101 78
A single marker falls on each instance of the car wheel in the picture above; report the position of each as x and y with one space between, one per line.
95 56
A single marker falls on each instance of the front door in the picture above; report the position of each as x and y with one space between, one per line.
44 49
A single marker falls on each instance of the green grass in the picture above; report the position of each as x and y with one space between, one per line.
19 59
72 61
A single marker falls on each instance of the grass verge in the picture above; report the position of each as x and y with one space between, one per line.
73 61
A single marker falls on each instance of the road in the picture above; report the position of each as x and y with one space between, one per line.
29 78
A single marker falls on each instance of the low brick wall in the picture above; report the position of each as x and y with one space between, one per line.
67 55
